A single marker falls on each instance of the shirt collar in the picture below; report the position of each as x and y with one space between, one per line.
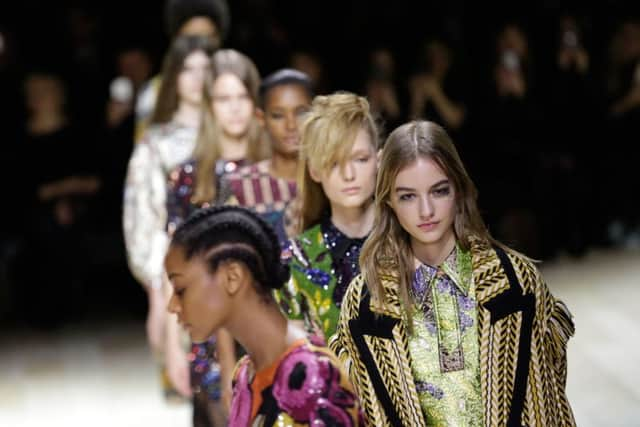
457 266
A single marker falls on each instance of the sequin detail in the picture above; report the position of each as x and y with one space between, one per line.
205 371
323 262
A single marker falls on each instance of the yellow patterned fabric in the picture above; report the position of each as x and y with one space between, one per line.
523 334
444 343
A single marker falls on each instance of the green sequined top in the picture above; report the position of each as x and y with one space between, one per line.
323 260
444 346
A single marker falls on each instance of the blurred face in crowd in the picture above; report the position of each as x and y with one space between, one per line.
423 200
44 94
135 65
201 26
513 39
232 106
438 58
350 183
284 107
192 77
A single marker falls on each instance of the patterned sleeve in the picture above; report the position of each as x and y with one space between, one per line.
557 326
288 297
312 389
144 215
341 342
179 195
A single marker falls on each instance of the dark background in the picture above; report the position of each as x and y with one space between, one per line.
80 40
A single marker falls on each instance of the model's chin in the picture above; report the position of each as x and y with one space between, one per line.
199 337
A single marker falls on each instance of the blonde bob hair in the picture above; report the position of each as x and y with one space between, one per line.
328 134
388 248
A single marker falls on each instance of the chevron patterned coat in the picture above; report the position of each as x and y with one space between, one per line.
523 332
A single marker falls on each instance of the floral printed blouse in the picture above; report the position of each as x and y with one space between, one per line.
445 355
162 148
305 387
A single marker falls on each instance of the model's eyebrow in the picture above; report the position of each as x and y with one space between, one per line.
409 189
442 181
399 189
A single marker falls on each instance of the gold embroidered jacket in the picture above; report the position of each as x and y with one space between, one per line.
523 332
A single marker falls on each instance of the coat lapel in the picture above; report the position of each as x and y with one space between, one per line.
505 346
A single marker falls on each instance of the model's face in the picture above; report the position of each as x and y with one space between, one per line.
352 183
191 79
44 94
423 200
284 108
232 105
201 26
199 298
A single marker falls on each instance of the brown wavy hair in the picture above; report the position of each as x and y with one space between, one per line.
388 248
207 150
168 99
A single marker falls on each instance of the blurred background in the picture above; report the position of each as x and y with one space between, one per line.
541 97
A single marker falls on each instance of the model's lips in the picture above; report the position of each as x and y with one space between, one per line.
291 140
428 226
351 190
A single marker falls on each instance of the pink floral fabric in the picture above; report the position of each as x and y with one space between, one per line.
308 388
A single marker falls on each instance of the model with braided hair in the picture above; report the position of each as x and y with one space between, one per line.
223 264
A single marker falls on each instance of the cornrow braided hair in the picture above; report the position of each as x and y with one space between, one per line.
230 232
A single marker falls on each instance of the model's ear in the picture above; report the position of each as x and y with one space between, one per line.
314 174
233 274
260 116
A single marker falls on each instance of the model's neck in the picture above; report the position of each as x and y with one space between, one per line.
434 253
285 167
263 331
188 115
234 148
353 221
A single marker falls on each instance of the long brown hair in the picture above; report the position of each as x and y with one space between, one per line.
207 150
328 134
168 99
388 248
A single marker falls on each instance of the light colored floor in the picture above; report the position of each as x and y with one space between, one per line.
104 375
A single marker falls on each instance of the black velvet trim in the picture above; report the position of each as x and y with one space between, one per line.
381 326
510 302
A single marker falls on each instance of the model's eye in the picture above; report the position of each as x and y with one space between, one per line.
406 197
442 191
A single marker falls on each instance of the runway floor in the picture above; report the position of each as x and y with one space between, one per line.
103 375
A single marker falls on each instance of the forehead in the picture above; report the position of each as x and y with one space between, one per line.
422 172
286 93
228 82
175 257
197 57
363 141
